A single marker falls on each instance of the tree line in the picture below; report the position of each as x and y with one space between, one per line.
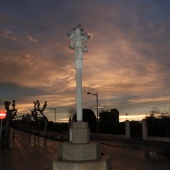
158 123
108 123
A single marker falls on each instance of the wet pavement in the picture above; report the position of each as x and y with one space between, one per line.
29 152
129 158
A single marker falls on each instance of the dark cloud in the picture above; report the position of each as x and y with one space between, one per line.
16 91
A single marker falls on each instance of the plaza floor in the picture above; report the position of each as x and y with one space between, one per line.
29 152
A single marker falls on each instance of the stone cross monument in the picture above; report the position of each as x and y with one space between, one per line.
79 153
78 38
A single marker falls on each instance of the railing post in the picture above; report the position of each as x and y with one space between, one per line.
144 129
127 129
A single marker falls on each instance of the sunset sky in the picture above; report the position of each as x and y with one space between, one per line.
128 62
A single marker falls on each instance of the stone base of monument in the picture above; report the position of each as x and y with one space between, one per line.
104 163
80 153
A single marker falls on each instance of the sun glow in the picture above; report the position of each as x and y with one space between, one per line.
132 117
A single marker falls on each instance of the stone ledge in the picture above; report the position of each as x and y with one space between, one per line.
79 152
105 163
79 125
81 135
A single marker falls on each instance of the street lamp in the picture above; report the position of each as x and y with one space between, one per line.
96 94
55 113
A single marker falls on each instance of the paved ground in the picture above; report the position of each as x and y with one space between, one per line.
128 158
29 152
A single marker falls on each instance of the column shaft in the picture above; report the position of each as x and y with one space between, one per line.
79 94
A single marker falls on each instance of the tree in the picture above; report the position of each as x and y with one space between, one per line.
155 112
71 112
35 115
11 113
158 122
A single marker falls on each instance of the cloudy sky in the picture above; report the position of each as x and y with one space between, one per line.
128 62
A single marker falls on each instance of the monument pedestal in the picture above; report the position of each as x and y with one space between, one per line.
80 153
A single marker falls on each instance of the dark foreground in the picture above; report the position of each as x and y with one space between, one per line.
29 152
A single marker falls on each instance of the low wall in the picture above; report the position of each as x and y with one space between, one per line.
111 136
151 138
161 139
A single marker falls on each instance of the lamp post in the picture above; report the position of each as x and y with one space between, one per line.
55 113
96 94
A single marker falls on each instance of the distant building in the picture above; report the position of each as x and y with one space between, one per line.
108 120
110 116
115 113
